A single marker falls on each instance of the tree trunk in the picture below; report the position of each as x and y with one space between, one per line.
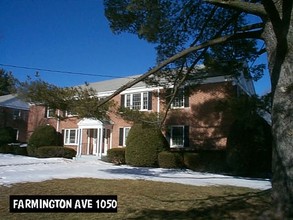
280 56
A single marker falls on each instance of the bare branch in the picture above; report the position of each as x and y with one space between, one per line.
219 40
250 8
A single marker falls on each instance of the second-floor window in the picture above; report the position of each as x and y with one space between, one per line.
50 113
141 101
181 100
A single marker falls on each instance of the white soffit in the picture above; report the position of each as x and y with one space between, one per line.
90 123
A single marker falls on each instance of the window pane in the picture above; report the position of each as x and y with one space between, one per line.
72 136
145 100
178 101
126 131
136 102
127 98
177 136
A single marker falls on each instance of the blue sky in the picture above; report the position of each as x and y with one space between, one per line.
74 36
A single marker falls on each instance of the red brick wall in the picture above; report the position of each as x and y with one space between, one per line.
208 127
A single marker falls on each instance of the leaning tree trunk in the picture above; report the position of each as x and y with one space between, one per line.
280 54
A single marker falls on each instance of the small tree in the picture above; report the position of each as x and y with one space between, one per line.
44 135
144 143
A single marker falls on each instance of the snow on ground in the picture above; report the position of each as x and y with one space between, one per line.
18 169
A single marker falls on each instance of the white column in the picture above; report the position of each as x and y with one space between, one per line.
79 148
110 144
100 141
89 131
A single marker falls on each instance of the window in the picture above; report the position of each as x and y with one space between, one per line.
50 113
139 101
123 134
181 100
16 114
70 114
178 136
71 136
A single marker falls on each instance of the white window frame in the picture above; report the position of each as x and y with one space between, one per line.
70 114
124 135
172 145
49 112
180 98
144 100
67 137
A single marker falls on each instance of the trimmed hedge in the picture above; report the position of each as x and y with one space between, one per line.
206 161
169 159
116 156
13 149
44 135
191 160
143 144
55 151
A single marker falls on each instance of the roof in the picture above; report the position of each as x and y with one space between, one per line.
114 84
12 101
109 86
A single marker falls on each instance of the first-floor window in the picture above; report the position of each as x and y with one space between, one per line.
123 134
70 136
177 136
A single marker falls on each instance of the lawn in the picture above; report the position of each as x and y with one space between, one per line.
140 199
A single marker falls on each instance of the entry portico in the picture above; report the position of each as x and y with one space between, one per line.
94 137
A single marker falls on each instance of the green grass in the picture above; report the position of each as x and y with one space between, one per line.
139 199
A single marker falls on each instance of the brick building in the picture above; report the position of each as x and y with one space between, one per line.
192 122
14 114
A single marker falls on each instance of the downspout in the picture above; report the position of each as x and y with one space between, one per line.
58 121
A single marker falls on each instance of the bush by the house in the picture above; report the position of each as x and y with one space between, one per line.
144 143
13 149
191 160
44 135
249 148
169 159
7 135
116 156
55 151
205 161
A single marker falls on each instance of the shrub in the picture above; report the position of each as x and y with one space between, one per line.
206 161
169 159
7 135
55 151
45 135
191 160
249 148
13 149
143 144
116 155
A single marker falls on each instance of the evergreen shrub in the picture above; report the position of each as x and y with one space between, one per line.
191 160
7 135
205 161
143 144
249 148
116 156
13 149
169 159
44 135
55 151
